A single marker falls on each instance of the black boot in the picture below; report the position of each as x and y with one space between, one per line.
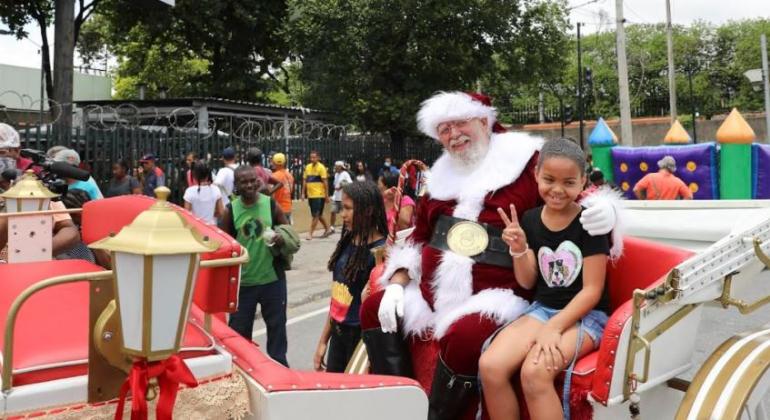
450 393
388 353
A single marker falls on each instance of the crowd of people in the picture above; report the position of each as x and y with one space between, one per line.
530 310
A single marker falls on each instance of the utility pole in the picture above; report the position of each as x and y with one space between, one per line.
580 87
625 101
671 73
765 75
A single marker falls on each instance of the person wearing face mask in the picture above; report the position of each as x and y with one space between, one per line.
10 148
387 167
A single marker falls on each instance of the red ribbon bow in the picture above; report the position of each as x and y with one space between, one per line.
170 373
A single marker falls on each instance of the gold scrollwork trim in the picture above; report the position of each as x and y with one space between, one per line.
743 307
760 253
641 342
10 323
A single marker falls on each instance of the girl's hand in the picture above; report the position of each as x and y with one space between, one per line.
318 358
547 349
513 234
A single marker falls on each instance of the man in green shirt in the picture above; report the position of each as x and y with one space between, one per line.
250 219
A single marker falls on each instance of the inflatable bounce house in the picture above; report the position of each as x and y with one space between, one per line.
733 167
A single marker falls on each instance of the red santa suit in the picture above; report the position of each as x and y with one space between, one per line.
452 298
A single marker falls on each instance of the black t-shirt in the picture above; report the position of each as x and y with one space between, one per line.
346 293
559 257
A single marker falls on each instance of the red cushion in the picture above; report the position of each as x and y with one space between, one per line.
273 376
214 290
644 265
52 326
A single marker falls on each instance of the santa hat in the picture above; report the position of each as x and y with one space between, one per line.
450 106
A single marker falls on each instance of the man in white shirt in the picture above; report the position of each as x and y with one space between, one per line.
341 177
225 178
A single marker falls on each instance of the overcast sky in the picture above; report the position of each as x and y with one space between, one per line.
601 14
598 15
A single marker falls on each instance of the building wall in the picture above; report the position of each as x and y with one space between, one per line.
20 87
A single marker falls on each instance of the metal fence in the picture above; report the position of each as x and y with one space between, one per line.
100 148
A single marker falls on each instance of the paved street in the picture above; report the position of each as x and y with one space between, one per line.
309 298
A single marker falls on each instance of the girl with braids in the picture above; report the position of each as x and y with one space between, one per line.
204 199
363 215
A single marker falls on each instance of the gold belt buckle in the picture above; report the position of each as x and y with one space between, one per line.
467 238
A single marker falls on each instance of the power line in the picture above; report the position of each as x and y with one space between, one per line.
582 4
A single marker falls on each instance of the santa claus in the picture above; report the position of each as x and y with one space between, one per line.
452 280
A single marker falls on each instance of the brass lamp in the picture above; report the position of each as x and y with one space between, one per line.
155 260
28 194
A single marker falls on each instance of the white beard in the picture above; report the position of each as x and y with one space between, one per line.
472 156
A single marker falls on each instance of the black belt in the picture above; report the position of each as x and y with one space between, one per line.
496 252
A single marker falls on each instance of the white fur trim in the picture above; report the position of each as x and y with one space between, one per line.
507 157
500 305
613 198
418 317
452 281
406 255
448 106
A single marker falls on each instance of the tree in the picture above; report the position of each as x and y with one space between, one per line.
18 13
373 61
240 41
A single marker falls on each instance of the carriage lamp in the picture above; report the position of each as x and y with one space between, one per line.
28 194
155 262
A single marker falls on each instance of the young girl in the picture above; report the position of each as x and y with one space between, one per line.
387 184
364 218
204 199
552 253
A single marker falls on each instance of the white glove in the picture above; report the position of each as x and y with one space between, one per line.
392 305
599 219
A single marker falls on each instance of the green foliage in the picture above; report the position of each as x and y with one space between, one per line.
17 13
225 48
374 60
715 57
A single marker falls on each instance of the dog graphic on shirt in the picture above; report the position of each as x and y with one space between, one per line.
560 268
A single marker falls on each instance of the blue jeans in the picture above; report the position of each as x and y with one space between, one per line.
271 298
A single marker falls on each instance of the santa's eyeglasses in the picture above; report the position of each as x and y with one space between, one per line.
445 128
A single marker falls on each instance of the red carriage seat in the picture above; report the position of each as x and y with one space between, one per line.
216 289
644 265
51 339
51 334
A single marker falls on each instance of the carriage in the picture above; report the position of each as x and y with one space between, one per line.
65 340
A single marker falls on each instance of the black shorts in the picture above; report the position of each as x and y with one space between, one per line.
316 206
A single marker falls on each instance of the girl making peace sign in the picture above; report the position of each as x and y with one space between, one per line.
554 254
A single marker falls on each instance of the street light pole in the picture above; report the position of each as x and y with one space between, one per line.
765 75
690 70
670 53
626 135
580 87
